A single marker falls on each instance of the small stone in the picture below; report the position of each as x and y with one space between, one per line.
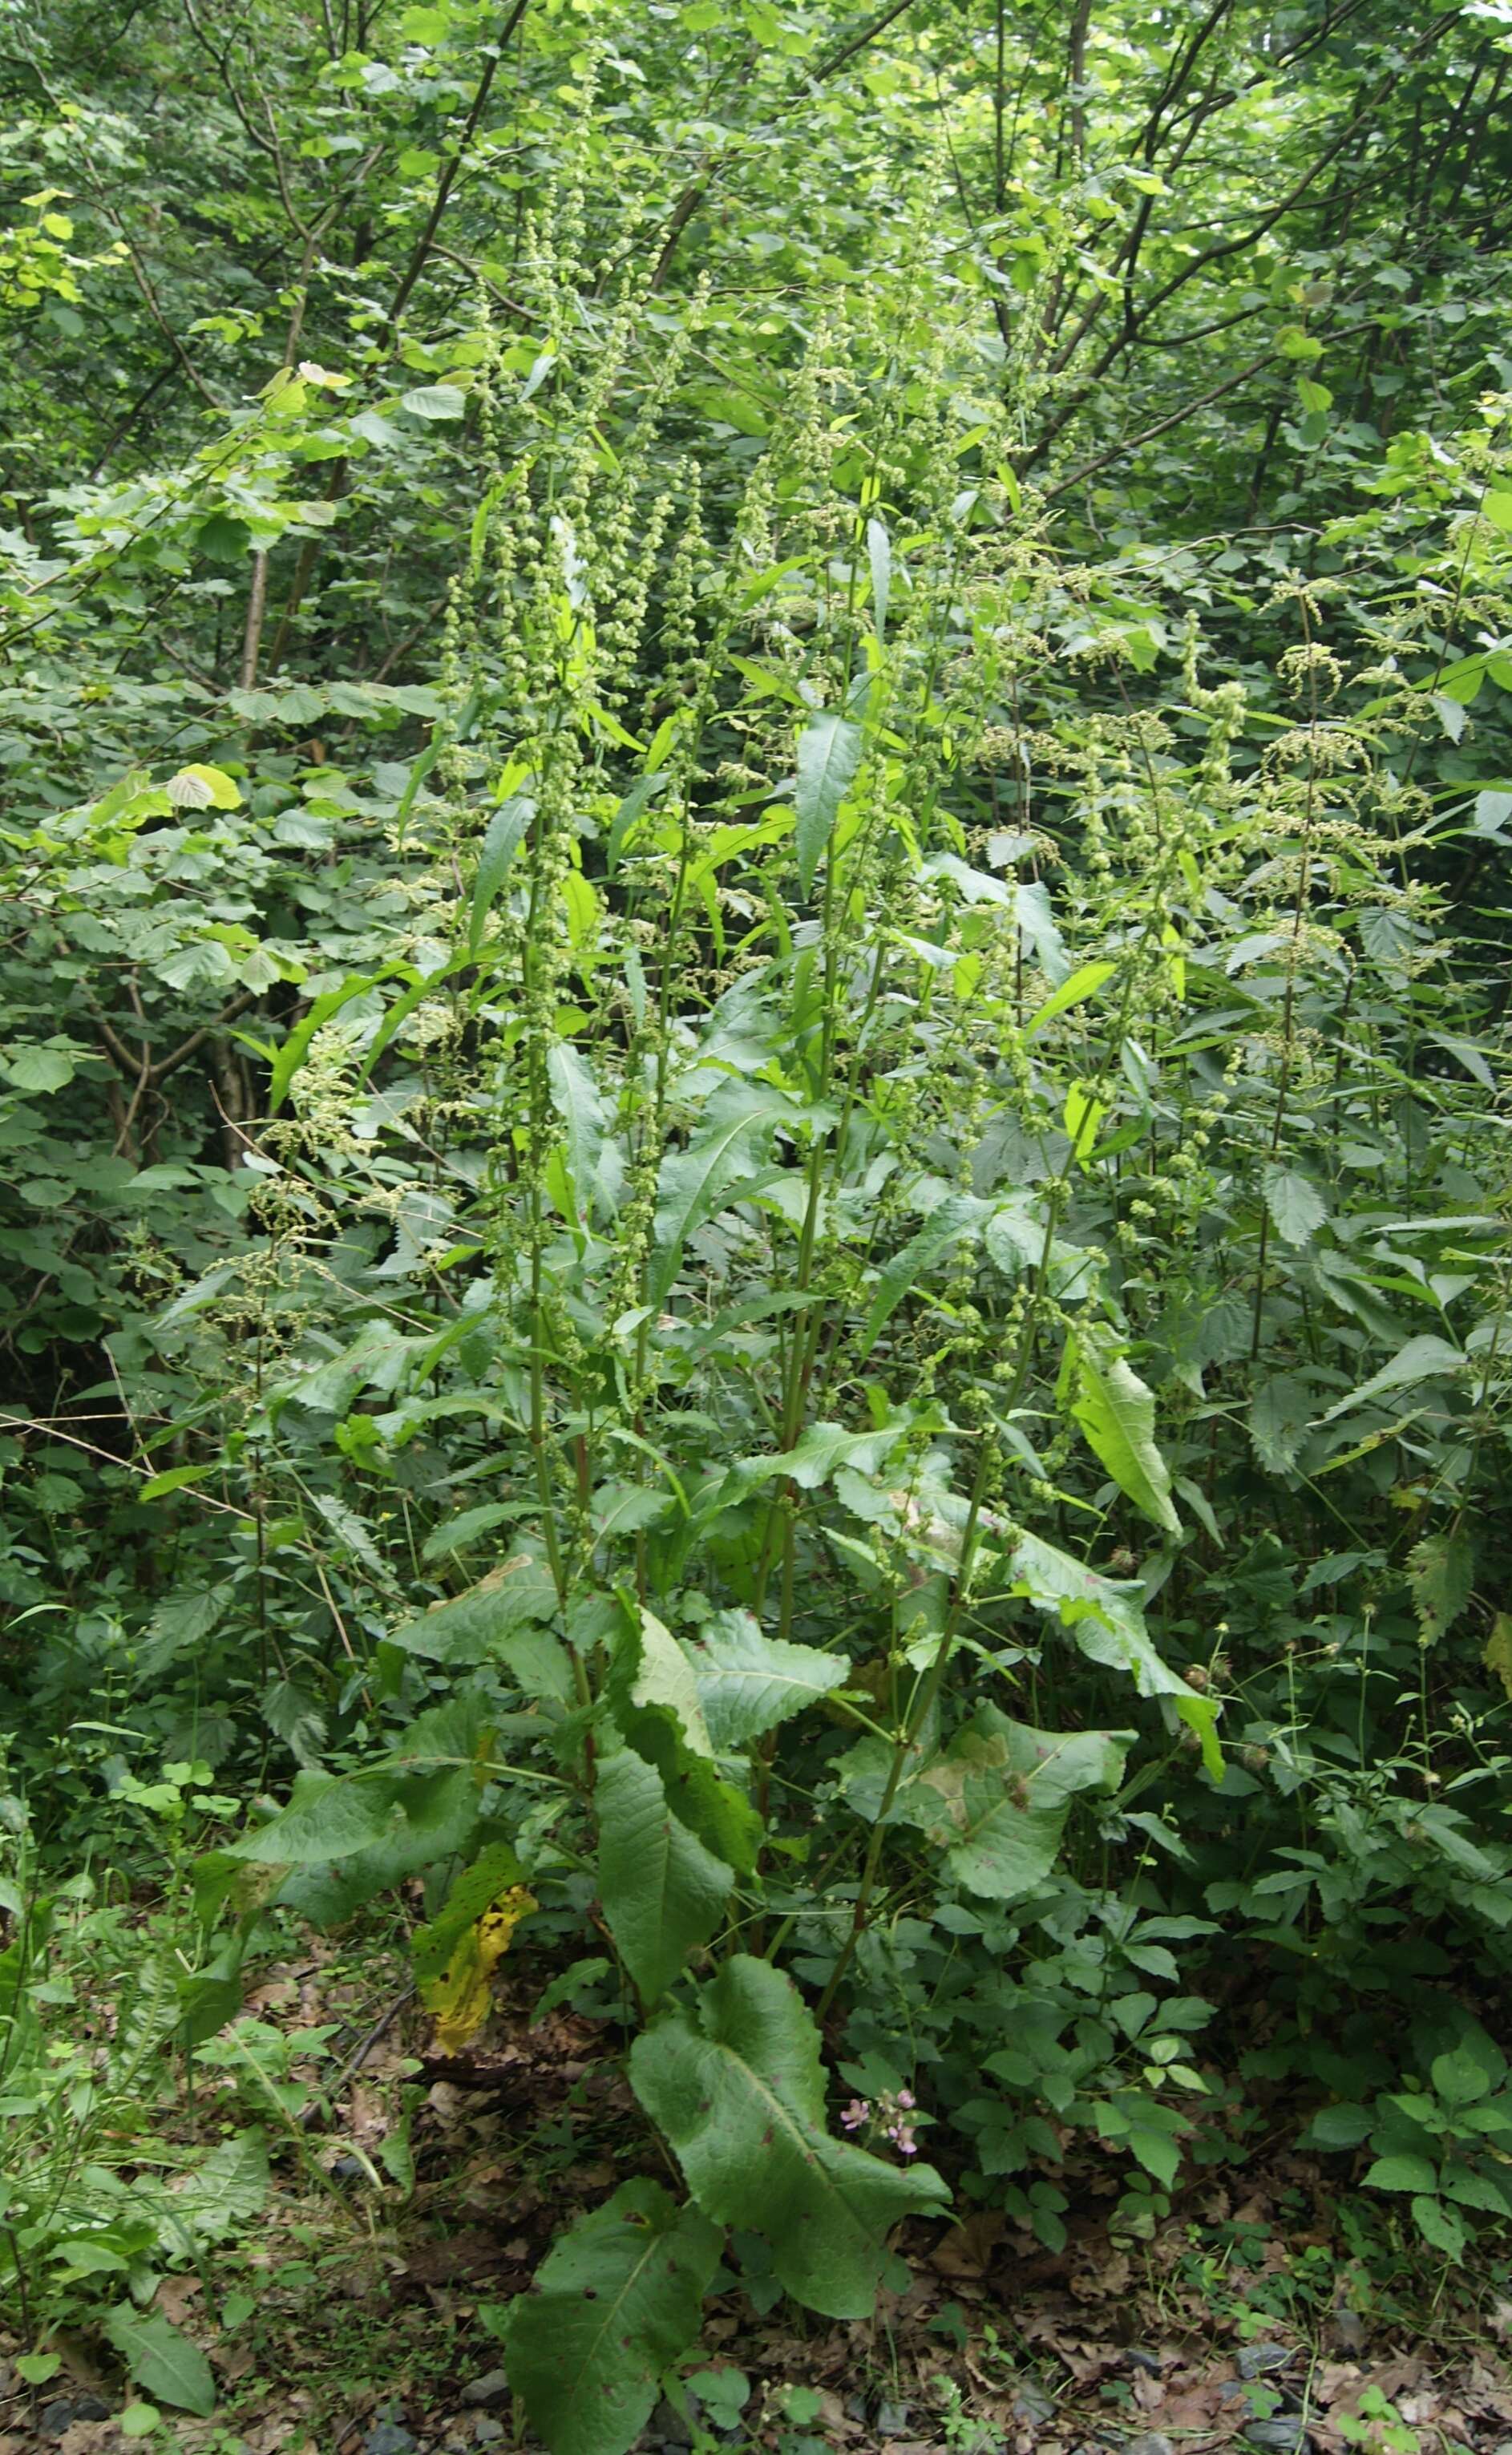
388 2438
56 2417
1140 2358
856 2407
1282 2434
892 2420
1254 2361
90 2408
487 2431
1032 2406
1153 2442
349 2169
493 2387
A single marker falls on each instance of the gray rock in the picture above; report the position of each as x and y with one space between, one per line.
493 2387
892 2420
90 2408
1138 2358
668 2424
487 2431
56 2417
1032 2404
1282 2434
388 2438
1154 2441
349 2169
1254 2361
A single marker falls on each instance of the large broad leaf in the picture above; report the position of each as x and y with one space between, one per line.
227 2191
999 1797
663 1893
477 1626
615 2303
161 2359
1106 1620
327 1817
694 1182
748 1682
829 755
738 2089
823 1451
1117 1415
663 1675
429 1818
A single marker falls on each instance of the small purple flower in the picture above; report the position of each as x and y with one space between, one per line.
906 2097
855 2114
907 2146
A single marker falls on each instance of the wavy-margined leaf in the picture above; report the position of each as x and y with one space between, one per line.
1117 1415
748 1682
998 1799
615 2304
226 2189
829 755
737 2086
1106 1620
663 1893
161 2359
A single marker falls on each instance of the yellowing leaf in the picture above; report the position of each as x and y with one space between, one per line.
460 1997
203 788
1082 1117
1497 1655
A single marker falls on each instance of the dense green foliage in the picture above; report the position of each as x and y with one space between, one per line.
756 1213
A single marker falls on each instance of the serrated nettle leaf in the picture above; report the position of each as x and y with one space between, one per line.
1297 1207
663 1893
1440 1571
749 1683
475 1626
1117 1415
829 756
615 2302
1422 1359
738 2089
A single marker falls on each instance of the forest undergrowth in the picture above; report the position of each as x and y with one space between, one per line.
756 1223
